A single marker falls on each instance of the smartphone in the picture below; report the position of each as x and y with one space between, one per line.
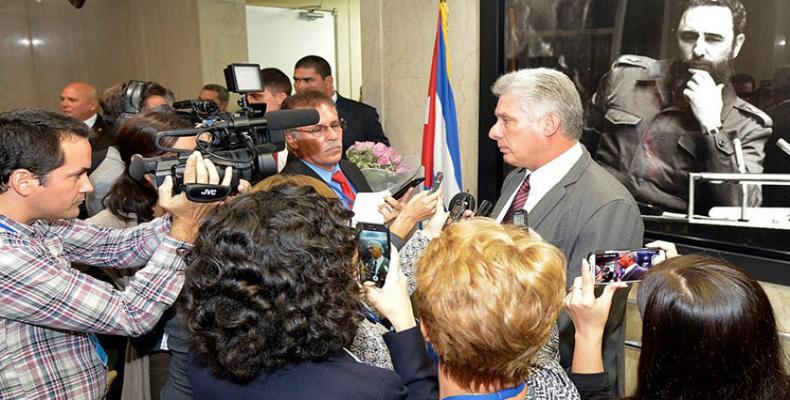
521 219
405 188
437 182
374 252
623 265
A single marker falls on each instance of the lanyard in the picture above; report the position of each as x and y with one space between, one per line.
7 228
370 316
502 394
94 340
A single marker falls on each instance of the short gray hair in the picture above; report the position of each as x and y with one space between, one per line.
544 90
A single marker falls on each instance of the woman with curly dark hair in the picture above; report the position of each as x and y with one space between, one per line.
708 332
271 305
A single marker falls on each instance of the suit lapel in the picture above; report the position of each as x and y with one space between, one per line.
354 175
558 192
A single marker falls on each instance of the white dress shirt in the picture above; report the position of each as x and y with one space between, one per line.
544 178
90 121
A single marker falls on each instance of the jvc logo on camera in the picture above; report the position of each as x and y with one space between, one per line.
209 192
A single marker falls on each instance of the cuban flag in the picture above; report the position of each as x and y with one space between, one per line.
440 150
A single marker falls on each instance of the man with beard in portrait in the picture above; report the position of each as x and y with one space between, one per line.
661 119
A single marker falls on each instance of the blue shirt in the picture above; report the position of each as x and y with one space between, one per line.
326 176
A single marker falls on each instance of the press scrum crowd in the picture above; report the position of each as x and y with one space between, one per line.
261 295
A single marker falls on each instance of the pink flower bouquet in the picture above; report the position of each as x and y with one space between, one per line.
384 169
376 156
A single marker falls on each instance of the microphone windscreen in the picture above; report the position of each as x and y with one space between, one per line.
137 169
287 119
463 199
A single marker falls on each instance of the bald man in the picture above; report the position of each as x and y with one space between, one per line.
80 101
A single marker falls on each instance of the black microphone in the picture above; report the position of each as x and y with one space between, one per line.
274 120
139 167
458 204
287 119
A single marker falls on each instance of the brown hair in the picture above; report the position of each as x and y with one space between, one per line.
488 295
297 180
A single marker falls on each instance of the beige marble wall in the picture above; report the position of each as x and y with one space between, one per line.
48 43
223 39
397 46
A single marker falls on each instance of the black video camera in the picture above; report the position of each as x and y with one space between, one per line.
245 141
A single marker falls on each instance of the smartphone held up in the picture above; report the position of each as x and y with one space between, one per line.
623 265
374 253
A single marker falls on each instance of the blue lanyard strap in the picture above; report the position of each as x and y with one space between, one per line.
7 228
95 340
502 394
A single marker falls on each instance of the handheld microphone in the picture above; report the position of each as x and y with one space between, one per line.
484 209
460 202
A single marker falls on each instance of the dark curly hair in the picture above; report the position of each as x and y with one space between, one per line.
270 282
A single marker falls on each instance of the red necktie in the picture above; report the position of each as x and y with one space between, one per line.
345 187
518 201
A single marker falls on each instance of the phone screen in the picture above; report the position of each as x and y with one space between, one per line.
374 253
623 265
437 182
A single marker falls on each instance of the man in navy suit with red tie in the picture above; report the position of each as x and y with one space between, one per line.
319 148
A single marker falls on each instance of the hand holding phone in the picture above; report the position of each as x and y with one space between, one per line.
623 265
374 253
437 182
589 315
392 300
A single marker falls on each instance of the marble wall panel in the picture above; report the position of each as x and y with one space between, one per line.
17 84
172 45
48 43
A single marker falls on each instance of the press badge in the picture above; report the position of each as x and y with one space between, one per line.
99 349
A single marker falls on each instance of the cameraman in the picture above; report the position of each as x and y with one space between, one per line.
50 310
119 106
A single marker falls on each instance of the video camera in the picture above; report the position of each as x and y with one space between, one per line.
245 141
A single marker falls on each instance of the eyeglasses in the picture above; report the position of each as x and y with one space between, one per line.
322 130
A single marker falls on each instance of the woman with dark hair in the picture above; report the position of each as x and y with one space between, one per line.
271 305
130 201
708 332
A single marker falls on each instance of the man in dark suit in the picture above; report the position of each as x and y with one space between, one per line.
572 202
318 148
362 121
80 101
378 265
